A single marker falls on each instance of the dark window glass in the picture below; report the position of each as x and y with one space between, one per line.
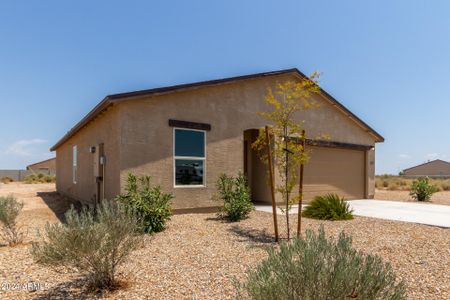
188 172
189 143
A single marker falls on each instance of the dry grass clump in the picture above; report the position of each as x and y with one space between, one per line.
39 178
399 183
6 180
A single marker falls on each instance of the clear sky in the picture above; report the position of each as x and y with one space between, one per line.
387 61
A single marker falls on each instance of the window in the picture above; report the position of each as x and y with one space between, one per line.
74 164
189 157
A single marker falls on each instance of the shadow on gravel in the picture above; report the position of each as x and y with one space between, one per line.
59 205
217 218
255 236
70 290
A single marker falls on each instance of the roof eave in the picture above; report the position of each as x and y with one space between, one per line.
110 99
378 137
105 103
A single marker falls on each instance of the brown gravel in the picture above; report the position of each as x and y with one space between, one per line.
437 198
199 257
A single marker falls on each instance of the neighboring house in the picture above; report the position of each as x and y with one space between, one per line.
185 136
46 166
436 168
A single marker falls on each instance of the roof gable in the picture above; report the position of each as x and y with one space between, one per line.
42 161
428 163
116 98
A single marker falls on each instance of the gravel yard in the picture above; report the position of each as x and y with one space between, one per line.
437 198
199 256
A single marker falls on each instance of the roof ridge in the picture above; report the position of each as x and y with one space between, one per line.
41 161
425 163
113 98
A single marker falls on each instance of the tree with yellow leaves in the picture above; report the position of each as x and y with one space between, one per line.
286 101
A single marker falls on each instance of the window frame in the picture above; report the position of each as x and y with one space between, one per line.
74 164
175 158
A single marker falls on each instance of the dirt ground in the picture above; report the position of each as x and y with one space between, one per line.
437 198
41 203
200 256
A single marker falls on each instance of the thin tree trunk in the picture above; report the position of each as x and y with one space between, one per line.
300 186
272 184
286 181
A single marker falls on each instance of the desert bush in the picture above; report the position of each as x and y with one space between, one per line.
6 180
328 207
445 186
399 183
392 183
393 187
316 268
39 178
422 190
9 211
235 195
93 242
150 202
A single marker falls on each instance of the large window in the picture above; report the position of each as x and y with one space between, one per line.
74 164
189 157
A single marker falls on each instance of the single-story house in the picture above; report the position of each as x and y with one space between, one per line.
47 166
185 136
437 169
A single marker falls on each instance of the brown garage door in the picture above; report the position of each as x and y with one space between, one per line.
332 170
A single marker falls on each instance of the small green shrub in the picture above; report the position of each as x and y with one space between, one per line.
328 207
9 211
6 180
39 178
235 195
93 242
150 203
422 190
317 268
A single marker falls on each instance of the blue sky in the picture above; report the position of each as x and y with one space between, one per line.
387 61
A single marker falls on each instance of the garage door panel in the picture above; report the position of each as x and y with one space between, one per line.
332 170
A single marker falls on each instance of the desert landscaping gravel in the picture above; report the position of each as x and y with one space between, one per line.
200 256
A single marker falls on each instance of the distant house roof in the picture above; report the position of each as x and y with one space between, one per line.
427 163
40 162
115 98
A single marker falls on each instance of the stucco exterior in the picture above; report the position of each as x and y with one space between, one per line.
48 166
435 168
138 139
105 129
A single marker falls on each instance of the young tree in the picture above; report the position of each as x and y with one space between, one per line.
286 102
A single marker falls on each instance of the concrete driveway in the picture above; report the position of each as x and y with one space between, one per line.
422 213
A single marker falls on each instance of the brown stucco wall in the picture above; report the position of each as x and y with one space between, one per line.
138 139
49 164
104 129
370 173
436 168
146 143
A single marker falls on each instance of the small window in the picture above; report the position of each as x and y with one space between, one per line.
74 164
189 158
